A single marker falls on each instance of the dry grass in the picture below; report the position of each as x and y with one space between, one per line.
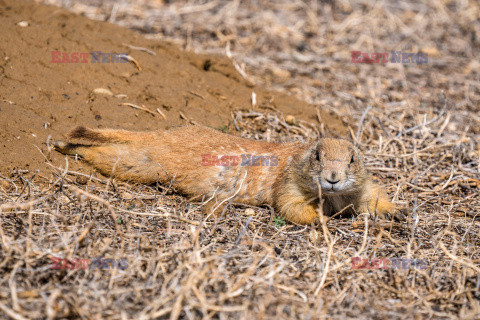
181 264
422 144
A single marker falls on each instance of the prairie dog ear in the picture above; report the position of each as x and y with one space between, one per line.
317 145
321 146
358 155
314 153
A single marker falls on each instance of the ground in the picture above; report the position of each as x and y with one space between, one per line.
202 62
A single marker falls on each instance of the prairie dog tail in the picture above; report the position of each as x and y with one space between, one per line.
116 153
87 136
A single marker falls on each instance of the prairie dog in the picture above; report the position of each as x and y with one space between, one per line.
201 161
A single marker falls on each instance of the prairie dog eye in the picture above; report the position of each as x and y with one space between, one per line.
317 155
353 159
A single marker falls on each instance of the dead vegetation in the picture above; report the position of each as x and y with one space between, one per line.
183 265
417 124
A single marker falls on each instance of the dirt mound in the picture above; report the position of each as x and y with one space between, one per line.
50 83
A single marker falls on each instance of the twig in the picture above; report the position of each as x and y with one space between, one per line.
129 58
143 108
140 49
362 119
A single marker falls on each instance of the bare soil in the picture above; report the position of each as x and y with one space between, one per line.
39 98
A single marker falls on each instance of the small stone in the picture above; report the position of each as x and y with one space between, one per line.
291 120
103 91
281 74
249 212
431 51
81 180
22 24
4 184
29 294
137 203
63 199
315 236
126 195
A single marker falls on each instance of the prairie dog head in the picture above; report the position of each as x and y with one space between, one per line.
337 165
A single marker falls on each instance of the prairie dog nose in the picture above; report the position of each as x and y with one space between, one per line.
332 181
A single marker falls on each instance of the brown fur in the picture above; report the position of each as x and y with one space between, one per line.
290 186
